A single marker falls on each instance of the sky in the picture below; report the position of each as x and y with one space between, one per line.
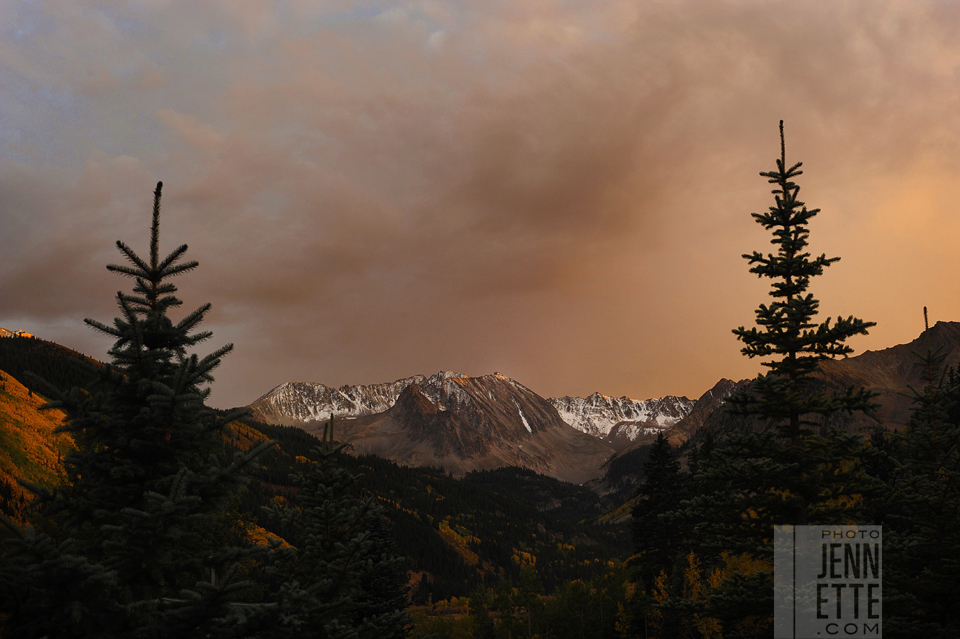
557 191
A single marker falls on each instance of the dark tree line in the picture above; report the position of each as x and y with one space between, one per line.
58 366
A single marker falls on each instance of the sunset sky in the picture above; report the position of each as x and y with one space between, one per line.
559 191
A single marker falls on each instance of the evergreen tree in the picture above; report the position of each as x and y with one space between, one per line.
146 484
385 590
655 540
786 473
786 330
49 590
336 582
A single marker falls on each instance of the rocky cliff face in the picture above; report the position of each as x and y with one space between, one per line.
706 409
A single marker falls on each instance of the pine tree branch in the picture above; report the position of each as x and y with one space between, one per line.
170 259
194 318
179 269
131 255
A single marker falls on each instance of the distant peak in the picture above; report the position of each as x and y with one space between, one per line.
447 375
4 332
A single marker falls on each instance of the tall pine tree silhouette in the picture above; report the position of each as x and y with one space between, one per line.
146 482
785 329
784 473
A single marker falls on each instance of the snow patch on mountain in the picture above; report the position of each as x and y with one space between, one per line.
446 391
523 417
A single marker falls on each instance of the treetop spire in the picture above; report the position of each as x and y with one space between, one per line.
155 228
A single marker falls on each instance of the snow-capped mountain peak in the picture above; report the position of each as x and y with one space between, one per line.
621 417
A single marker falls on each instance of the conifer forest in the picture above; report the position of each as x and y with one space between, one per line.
162 517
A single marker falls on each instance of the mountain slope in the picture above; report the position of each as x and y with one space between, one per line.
458 533
890 372
29 449
56 364
465 423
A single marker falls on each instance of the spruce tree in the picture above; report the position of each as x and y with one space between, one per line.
809 474
785 472
655 540
339 580
785 329
47 589
146 483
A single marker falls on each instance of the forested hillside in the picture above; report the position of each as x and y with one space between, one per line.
53 363
457 533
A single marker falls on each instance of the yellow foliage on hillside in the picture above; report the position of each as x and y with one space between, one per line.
694 589
242 436
29 449
523 558
458 543
262 537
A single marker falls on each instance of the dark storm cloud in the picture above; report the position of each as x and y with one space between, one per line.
557 190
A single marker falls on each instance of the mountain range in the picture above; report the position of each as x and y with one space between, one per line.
621 420
617 419
447 420
456 533
464 424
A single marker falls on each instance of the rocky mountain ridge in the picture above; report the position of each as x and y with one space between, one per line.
891 373
472 423
618 420
294 403
462 424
